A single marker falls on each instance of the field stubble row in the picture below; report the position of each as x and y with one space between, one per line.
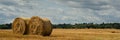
66 34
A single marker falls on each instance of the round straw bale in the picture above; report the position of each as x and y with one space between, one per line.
35 25
47 27
18 26
27 25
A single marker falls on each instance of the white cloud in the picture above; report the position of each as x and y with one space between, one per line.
62 11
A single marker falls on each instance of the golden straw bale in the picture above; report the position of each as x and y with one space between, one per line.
19 26
35 25
47 27
27 25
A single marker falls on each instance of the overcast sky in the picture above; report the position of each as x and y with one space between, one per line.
62 11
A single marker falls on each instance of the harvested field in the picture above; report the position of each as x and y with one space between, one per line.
66 34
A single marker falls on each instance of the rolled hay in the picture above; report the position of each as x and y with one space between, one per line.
19 25
47 27
27 25
35 26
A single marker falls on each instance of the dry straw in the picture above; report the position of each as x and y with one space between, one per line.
27 25
19 25
36 25
47 27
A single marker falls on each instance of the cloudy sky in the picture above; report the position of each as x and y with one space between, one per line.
62 11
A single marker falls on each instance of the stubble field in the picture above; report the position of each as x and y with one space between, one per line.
66 34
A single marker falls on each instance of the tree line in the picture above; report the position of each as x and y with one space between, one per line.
6 26
76 26
89 25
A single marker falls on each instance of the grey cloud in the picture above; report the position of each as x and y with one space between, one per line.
6 19
8 2
64 11
109 7
115 4
89 4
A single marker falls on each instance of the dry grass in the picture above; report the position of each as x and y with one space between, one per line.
66 34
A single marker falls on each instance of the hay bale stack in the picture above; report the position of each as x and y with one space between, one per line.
19 25
36 25
47 27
